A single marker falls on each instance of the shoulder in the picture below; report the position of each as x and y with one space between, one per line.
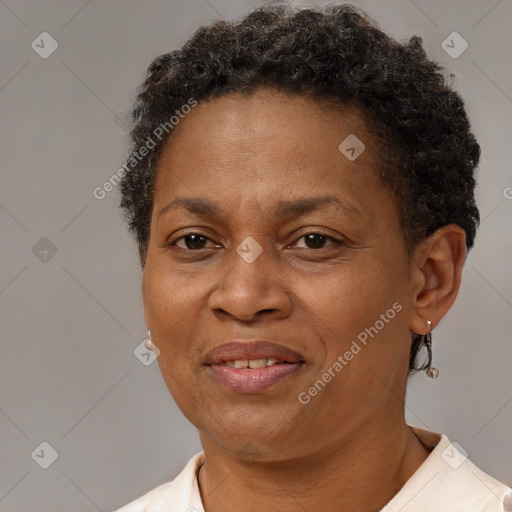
182 492
450 482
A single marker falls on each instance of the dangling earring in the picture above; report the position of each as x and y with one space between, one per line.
149 344
432 372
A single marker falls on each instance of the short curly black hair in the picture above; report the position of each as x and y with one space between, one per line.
428 154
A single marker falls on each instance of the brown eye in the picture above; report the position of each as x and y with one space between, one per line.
318 240
191 241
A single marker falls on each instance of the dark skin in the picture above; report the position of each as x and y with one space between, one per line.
349 448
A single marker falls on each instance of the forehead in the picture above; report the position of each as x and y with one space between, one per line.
263 114
266 136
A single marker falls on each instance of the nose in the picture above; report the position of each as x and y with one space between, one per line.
248 289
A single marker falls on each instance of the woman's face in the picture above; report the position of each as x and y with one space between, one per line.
252 256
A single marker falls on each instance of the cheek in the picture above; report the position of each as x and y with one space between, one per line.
348 306
349 293
169 310
168 295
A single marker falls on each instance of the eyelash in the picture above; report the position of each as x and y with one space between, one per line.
335 241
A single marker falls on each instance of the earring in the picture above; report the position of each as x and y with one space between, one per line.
149 344
432 372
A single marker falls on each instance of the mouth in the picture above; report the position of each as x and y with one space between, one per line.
252 366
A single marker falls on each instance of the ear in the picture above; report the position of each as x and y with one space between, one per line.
437 271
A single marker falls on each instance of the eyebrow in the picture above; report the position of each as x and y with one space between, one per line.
283 210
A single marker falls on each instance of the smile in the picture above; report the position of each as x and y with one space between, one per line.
253 363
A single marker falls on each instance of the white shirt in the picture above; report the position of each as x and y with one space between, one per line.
447 481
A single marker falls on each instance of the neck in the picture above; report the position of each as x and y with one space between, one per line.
361 474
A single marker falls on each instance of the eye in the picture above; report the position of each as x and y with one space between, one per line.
316 240
196 241
191 241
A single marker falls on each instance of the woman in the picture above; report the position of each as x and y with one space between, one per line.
301 189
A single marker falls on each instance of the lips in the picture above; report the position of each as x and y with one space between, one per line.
238 350
238 365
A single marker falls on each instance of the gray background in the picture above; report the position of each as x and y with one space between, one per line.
69 322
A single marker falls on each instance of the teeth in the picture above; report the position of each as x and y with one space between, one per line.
252 363
257 363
